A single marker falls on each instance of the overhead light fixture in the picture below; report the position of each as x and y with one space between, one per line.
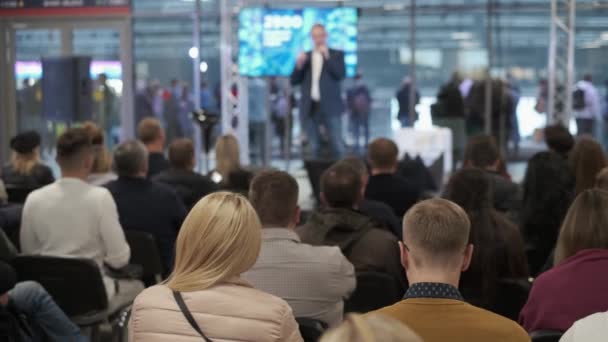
193 52
204 67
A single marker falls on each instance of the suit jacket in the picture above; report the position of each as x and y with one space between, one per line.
332 74
188 185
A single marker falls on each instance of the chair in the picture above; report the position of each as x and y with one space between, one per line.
511 297
145 252
311 329
77 286
546 336
374 291
17 194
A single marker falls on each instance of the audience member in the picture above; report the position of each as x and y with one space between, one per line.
151 134
228 171
339 224
75 219
548 191
189 185
587 159
482 152
434 251
601 181
576 286
219 240
499 247
559 139
384 185
29 300
380 212
314 280
370 328
144 205
25 168
101 172
592 328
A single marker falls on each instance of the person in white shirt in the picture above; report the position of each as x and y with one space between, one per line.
592 328
313 280
588 116
71 218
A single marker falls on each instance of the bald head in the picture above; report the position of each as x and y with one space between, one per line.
436 232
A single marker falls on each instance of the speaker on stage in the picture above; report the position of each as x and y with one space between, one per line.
67 89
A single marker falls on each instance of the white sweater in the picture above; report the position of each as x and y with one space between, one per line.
593 328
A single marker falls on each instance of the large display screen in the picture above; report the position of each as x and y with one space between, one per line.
271 39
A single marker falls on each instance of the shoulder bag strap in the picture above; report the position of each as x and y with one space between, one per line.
188 315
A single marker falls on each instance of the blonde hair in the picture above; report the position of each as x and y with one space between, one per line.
103 159
227 156
23 163
219 240
370 328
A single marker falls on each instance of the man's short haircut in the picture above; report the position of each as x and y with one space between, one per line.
149 130
318 26
130 158
181 154
72 147
436 230
559 139
341 186
356 163
601 181
274 196
482 151
383 153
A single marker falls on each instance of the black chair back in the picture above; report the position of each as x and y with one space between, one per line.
311 329
145 252
17 194
75 284
511 297
546 336
315 169
374 291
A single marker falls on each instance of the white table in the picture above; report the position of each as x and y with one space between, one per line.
429 144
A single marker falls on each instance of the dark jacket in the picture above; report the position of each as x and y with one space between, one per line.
365 246
188 185
40 176
383 215
157 163
149 207
450 103
507 195
332 74
397 192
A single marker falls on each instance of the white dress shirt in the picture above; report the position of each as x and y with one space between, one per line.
593 328
314 280
317 67
593 104
71 218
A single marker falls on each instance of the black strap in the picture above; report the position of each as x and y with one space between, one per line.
188 314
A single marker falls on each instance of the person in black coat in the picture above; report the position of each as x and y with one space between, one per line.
25 168
189 185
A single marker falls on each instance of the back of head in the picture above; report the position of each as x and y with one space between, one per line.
587 160
26 154
181 154
370 328
227 154
436 231
559 139
103 159
584 226
149 131
470 188
601 181
131 159
383 154
481 152
274 195
356 163
341 186
74 148
219 240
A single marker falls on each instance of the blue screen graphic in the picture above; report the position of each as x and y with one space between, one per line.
271 39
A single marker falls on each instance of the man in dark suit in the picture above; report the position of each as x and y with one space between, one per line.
320 73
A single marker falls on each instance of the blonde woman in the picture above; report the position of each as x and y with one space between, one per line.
228 171
219 240
101 172
371 328
25 168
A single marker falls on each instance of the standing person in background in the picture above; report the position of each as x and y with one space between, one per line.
145 102
449 111
150 132
515 94
186 106
320 72
359 102
171 110
403 97
586 104
205 95
258 121
106 108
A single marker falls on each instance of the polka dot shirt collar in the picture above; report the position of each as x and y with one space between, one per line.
433 290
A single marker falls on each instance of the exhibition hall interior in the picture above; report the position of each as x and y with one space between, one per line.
317 171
